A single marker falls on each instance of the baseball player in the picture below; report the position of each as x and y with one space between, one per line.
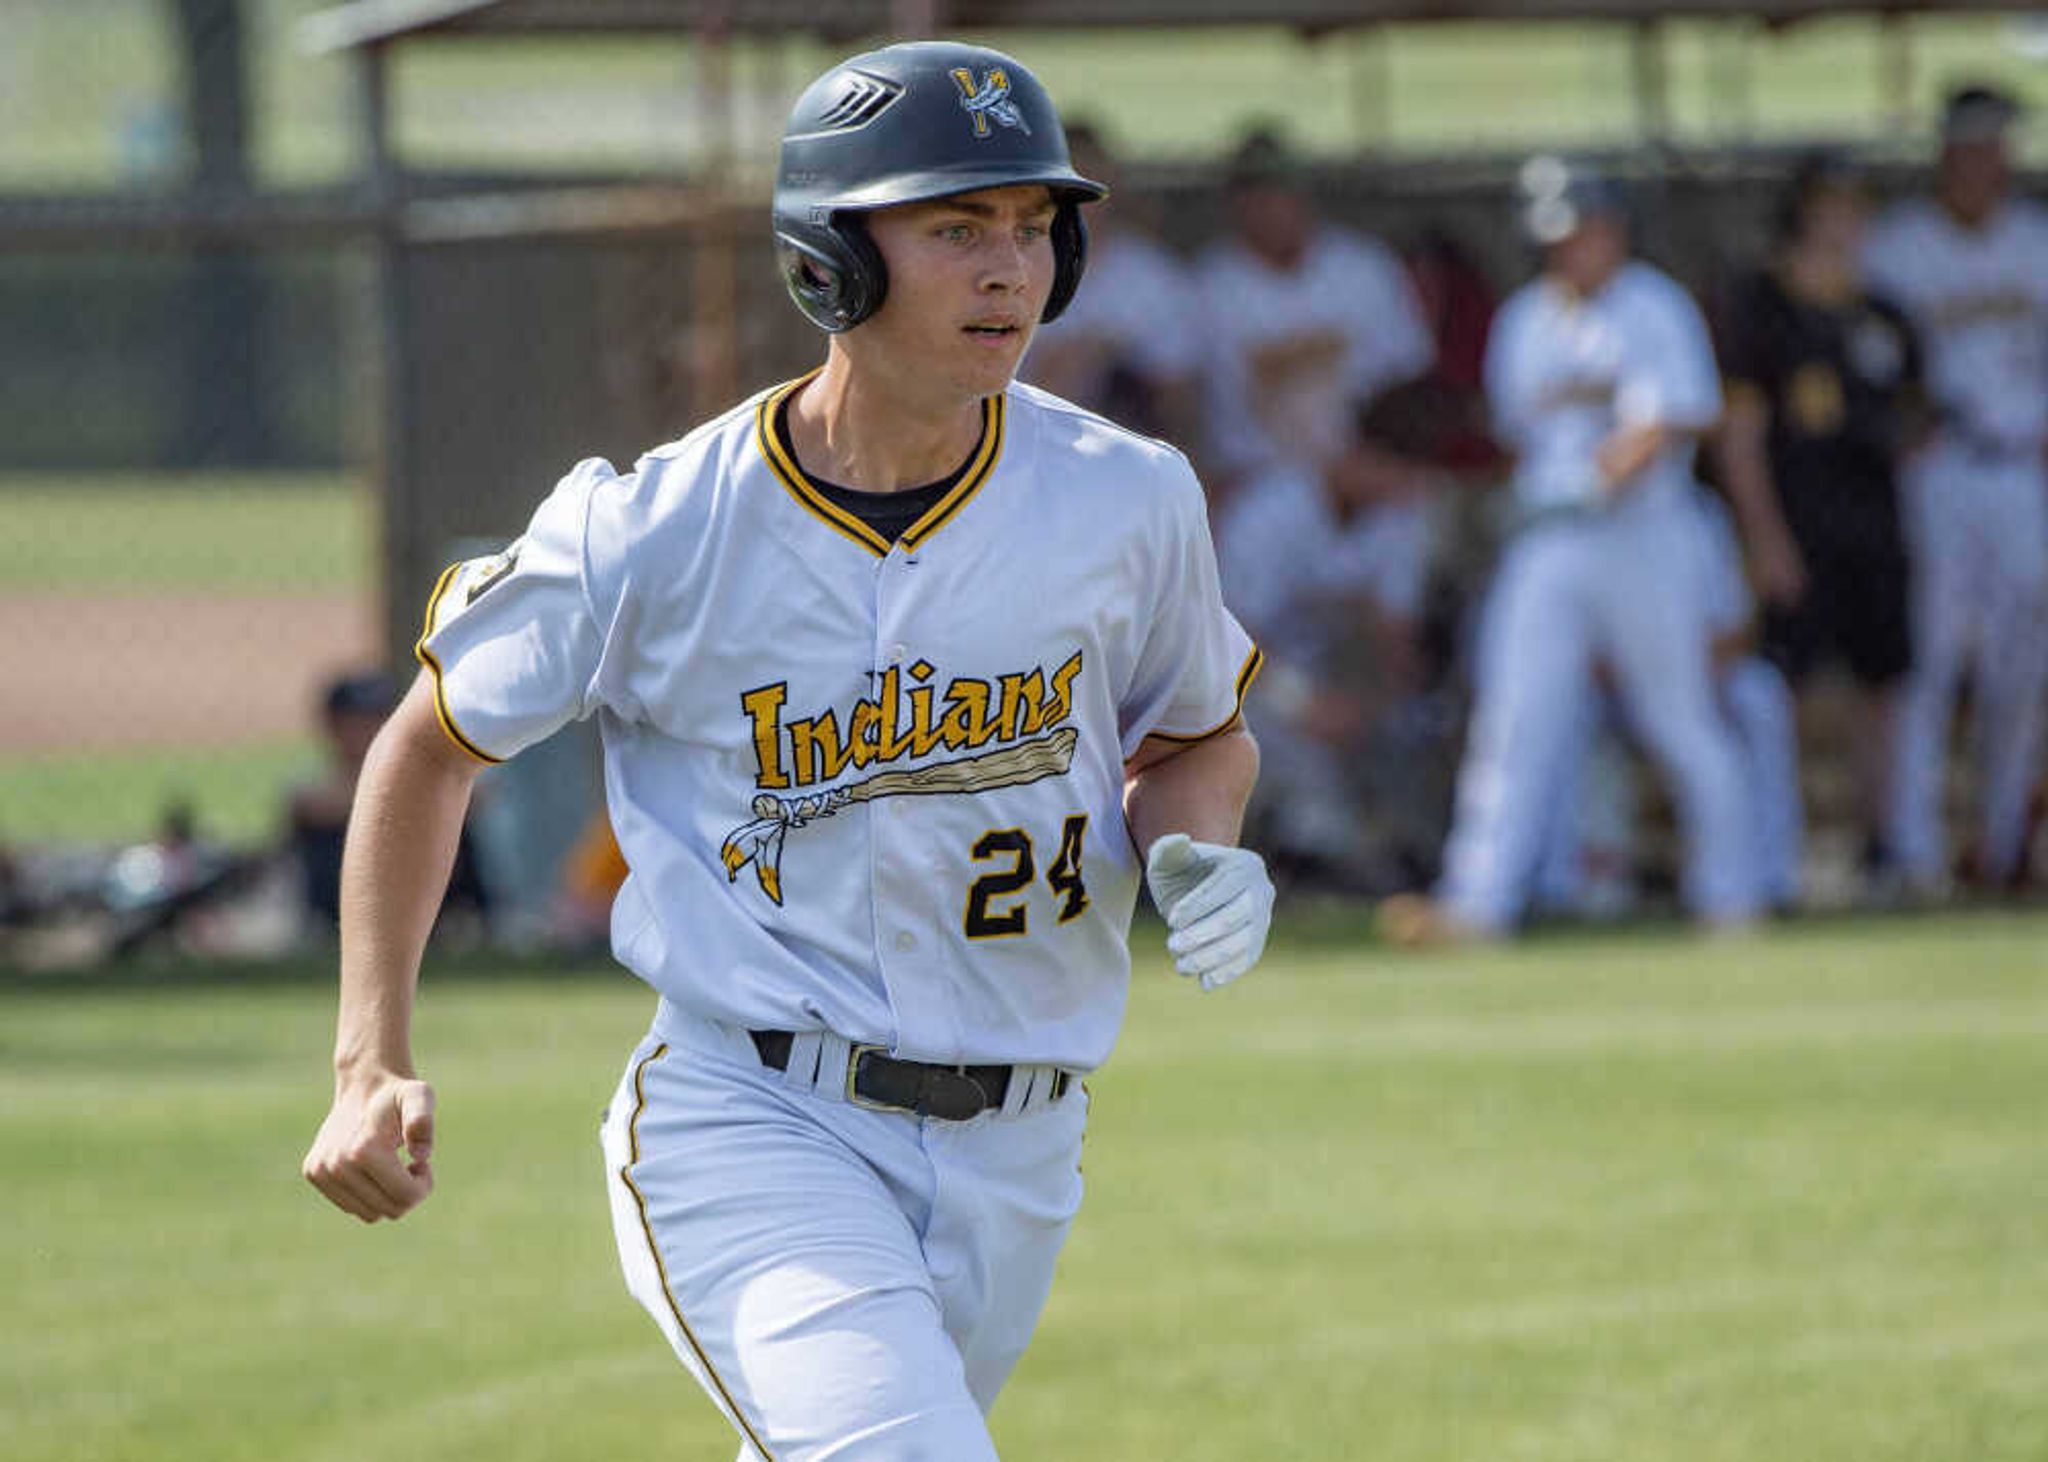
1129 346
1306 319
898 667
1970 267
1600 375
1329 572
1823 400
1591 809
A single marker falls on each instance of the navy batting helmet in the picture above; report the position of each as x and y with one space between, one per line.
1555 195
901 125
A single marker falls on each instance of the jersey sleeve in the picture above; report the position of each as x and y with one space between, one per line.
514 641
1195 663
1742 340
1669 379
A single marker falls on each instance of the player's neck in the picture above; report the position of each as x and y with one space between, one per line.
863 430
1971 215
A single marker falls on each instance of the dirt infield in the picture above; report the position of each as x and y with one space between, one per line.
82 672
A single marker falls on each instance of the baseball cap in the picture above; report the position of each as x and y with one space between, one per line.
364 693
1262 160
1556 195
1978 114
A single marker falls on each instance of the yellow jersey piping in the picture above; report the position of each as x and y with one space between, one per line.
427 658
980 467
660 1268
1253 663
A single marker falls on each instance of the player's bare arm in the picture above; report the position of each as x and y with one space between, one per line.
1185 804
1199 788
1740 448
1630 449
372 1157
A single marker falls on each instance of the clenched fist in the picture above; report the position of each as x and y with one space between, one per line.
373 1154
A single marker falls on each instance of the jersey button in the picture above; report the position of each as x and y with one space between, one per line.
897 651
906 941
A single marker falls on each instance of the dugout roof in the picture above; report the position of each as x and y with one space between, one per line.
375 22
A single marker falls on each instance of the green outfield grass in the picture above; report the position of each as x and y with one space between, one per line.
186 531
111 796
1630 1198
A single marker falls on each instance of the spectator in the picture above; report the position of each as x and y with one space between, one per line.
1326 568
1823 388
1600 376
1970 268
1307 318
352 709
1130 345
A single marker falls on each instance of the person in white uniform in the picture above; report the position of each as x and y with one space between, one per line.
1328 570
1600 376
1305 318
1970 268
898 667
1131 345
1593 809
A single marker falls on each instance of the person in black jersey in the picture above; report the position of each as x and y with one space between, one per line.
1823 399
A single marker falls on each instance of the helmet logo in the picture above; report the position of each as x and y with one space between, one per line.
989 99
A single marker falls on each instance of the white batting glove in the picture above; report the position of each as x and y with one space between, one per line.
1217 902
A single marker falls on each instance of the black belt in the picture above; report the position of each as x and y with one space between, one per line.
876 1079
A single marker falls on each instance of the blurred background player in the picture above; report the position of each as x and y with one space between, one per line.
1823 390
1587 866
1970 267
1601 376
1306 320
1326 568
1130 346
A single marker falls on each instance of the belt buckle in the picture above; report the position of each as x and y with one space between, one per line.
854 1056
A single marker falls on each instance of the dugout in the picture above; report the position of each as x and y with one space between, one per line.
521 324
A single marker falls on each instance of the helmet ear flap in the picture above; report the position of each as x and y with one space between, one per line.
834 272
1070 258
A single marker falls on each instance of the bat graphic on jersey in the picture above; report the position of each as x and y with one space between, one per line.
760 842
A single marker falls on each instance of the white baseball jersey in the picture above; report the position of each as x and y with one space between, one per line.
1141 300
1563 373
1979 298
869 788
1288 561
1349 290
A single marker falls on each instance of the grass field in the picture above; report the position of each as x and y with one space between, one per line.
123 548
135 533
1623 1198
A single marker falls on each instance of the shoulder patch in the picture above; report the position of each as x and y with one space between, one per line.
488 573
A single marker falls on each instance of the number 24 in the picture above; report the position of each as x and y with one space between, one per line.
1063 878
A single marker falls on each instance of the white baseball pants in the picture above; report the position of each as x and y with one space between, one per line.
1623 585
847 1284
1978 532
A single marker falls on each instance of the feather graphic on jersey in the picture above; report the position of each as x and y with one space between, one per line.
760 842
